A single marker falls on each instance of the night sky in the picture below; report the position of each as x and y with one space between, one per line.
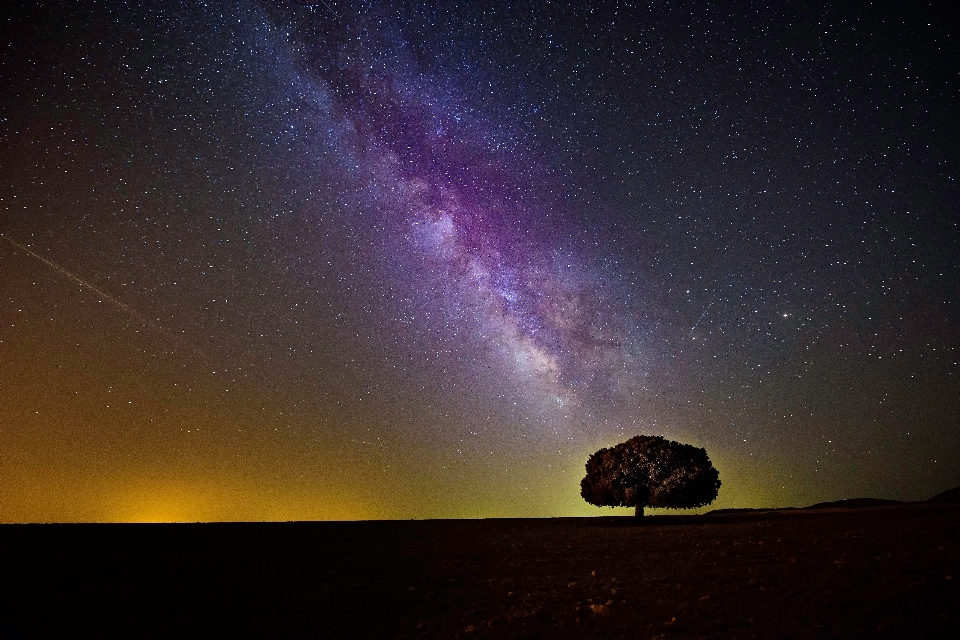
345 260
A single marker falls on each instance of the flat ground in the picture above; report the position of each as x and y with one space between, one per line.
878 572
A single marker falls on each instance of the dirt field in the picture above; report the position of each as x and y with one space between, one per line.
878 572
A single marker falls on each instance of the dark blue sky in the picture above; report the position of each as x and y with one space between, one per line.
369 260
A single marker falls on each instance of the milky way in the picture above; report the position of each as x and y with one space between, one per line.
447 184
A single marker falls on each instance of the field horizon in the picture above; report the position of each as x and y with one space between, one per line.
887 570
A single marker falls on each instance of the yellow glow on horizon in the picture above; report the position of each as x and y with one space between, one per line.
220 500
147 498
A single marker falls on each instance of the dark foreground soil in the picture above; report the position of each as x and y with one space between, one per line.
878 572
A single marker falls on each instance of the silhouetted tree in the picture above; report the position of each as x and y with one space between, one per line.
650 471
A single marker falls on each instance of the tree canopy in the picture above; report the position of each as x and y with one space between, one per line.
650 471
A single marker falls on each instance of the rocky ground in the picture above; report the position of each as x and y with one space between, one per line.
887 571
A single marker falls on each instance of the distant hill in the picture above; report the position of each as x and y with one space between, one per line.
950 495
736 510
853 503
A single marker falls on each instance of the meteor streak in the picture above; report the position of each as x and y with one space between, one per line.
702 314
83 283
178 340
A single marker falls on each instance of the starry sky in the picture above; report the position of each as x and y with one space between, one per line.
348 260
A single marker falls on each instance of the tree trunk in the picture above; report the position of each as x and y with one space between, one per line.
639 511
